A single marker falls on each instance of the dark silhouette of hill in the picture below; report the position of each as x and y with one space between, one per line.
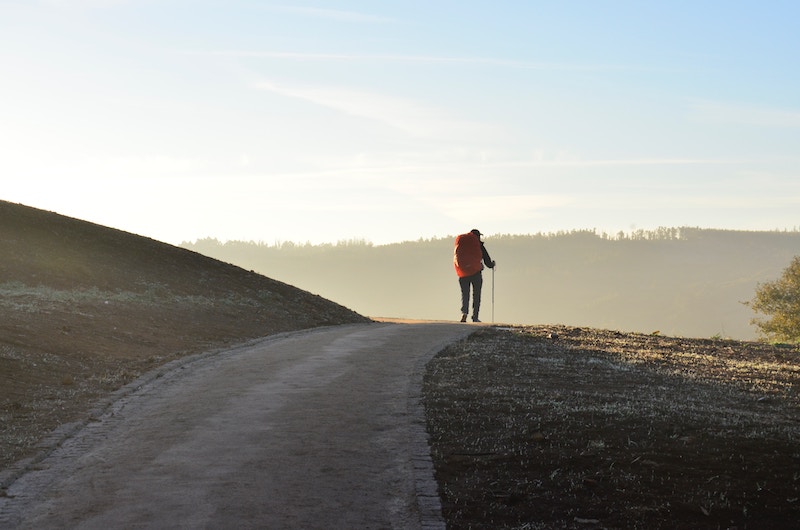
679 281
85 309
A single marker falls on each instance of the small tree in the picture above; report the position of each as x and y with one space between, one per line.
780 301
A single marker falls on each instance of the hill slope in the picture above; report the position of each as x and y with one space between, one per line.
85 309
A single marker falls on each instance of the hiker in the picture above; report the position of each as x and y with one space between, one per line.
469 257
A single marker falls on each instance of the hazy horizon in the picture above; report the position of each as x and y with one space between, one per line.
633 234
687 282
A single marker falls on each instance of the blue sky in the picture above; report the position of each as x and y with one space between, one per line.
388 121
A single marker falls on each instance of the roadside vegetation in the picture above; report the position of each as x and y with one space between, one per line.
779 300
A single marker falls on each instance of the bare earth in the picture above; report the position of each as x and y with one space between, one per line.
556 427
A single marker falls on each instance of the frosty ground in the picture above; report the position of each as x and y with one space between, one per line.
559 427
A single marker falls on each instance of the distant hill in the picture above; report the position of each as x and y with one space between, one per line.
85 309
687 282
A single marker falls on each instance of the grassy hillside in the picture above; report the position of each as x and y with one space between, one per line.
84 309
686 282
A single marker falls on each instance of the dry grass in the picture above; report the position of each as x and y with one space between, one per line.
574 428
85 309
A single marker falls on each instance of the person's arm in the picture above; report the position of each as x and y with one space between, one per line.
486 258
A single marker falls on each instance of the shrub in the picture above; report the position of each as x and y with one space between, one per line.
780 301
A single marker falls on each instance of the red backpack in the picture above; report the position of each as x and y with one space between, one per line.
467 256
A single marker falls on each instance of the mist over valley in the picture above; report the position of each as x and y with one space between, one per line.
688 282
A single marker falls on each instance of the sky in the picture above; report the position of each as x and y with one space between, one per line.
323 121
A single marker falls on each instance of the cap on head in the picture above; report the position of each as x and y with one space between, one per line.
476 232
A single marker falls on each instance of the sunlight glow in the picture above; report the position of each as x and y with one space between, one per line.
390 122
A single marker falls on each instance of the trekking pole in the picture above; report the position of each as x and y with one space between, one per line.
493 268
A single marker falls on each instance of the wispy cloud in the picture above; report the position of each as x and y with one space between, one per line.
682 199
332 14
616 162
419 59
731 113
503 207
408 115
84 4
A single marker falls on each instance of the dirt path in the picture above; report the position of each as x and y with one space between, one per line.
317 429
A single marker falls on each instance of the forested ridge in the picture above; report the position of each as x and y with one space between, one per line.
678 281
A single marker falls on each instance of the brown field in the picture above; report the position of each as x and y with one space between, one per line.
555 427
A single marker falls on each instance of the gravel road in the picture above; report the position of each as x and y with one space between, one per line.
313 429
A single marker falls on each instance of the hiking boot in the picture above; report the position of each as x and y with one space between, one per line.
463 317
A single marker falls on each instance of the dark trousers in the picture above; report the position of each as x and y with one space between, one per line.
476 282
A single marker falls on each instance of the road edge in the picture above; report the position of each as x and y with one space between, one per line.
429 504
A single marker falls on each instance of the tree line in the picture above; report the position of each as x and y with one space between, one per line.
680 281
